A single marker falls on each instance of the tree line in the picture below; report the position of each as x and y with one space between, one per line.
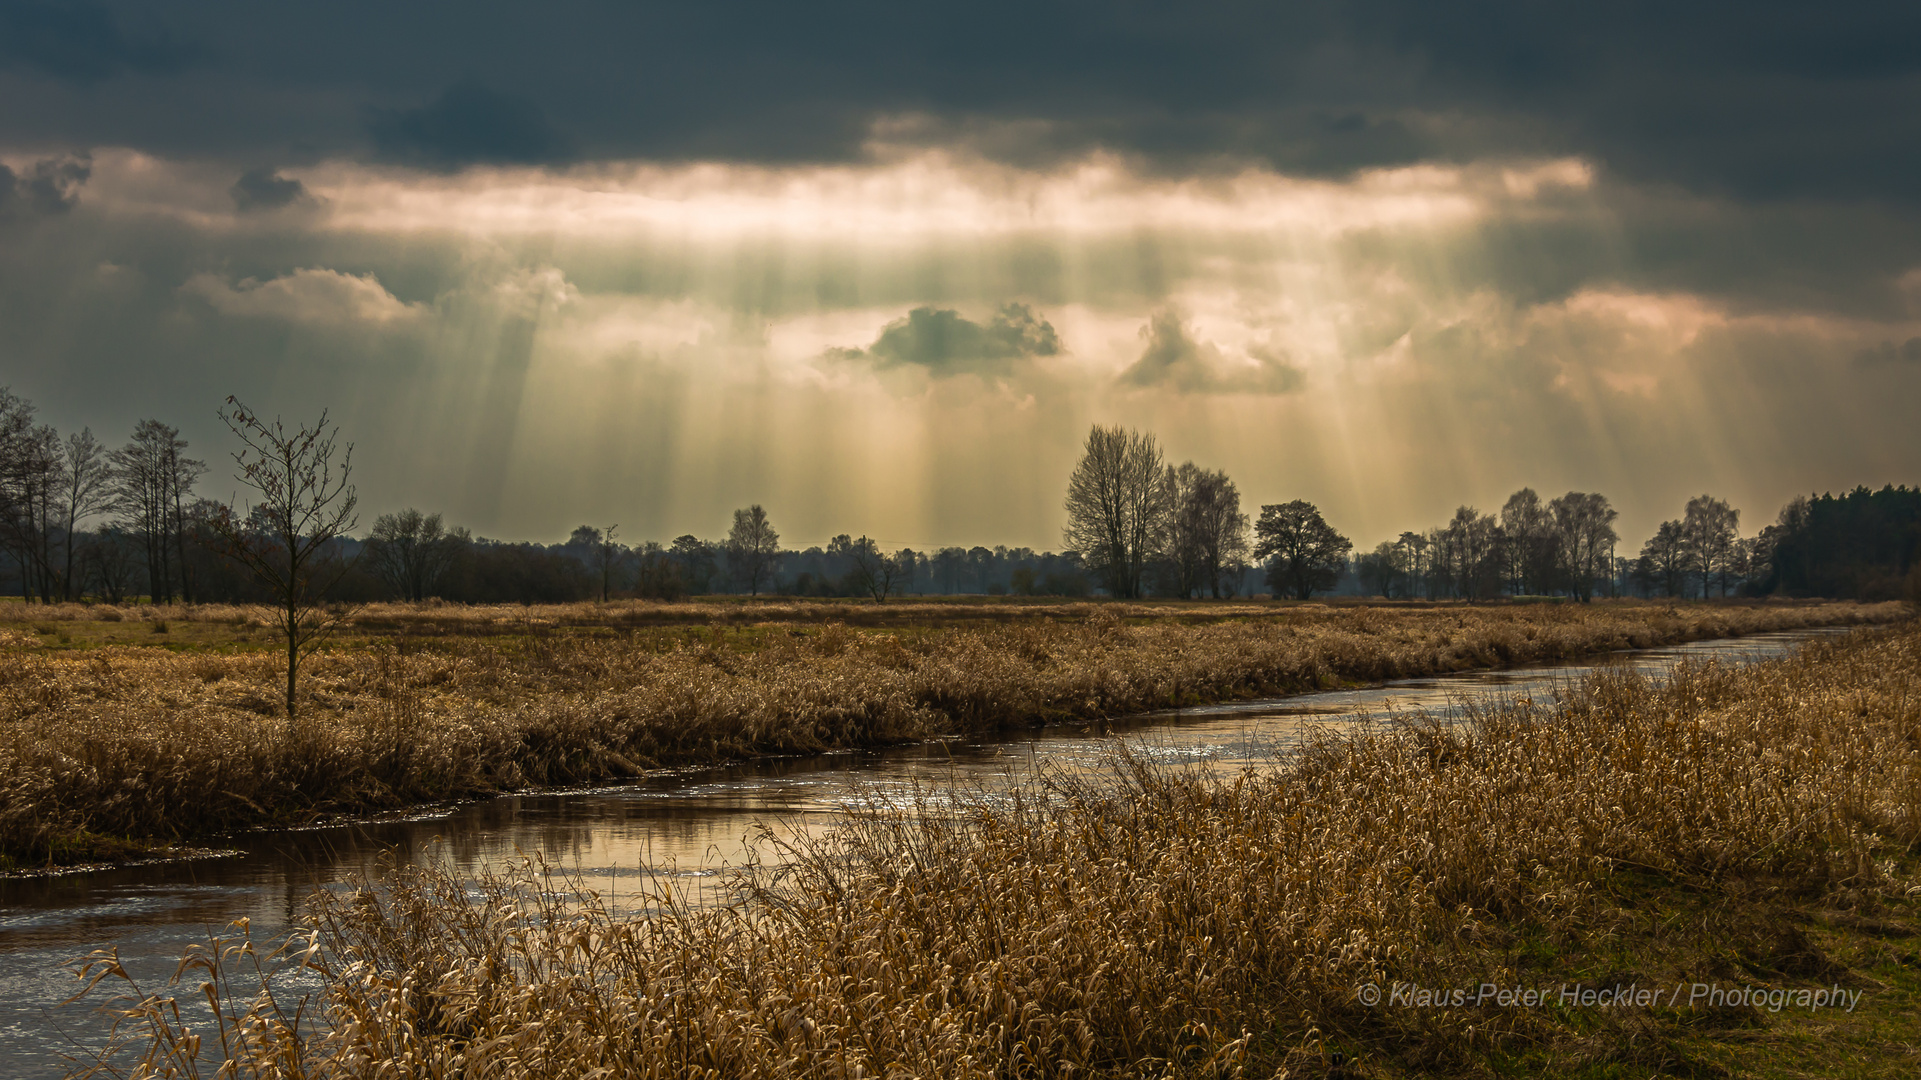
81 519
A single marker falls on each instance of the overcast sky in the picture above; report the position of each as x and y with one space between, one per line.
879 266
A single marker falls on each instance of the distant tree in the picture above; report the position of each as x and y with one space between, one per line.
110 562
912 565
1302 551
287 537
1414 557
411 552
948 566
1118 500
1379 570
875 573
657 574
752 548
696 560
603 554
1664 559
1584 529
1862 543
1023 581
1472 543
1711 531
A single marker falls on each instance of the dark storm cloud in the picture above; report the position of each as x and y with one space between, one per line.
1774 100
265 189
468 124
944 343
84 43
50 186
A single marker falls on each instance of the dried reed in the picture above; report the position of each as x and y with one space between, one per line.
144 743
1150 922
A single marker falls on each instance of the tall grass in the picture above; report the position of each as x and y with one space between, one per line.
1149 922
141 742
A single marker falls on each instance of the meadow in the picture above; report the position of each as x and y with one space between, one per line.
1735 827
122 729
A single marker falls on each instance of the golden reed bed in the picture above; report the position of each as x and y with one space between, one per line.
106 744
1157 923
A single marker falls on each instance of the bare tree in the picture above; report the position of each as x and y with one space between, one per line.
1472 543
1711 532
87 492
411 552
1584 529
31 479
152 475
1303 552
1118 500
287 537
1206 531
752 548
876 573
1527 529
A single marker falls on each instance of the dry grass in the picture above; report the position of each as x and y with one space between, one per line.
1158 923
141 743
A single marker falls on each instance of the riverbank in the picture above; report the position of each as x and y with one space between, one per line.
1713 876
113 745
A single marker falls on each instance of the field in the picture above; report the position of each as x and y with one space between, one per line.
1747 830
127 728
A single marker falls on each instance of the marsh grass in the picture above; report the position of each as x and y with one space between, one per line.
1152 921
146 743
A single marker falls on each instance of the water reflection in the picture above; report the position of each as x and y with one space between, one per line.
686 827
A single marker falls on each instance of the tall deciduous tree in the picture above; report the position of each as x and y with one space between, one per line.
1206 533
1711 530
305 502
1118 500
153 476
31 479
1584 529
1302 551
87 492
752 548
1527 530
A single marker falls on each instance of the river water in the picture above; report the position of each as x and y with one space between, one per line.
686 825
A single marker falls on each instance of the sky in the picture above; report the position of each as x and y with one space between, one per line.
879 267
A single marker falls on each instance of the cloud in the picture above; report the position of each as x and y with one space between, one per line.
311 296
468 124
1175 360
944 343
83 43
265 189
1795 101
1908 352
49 186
